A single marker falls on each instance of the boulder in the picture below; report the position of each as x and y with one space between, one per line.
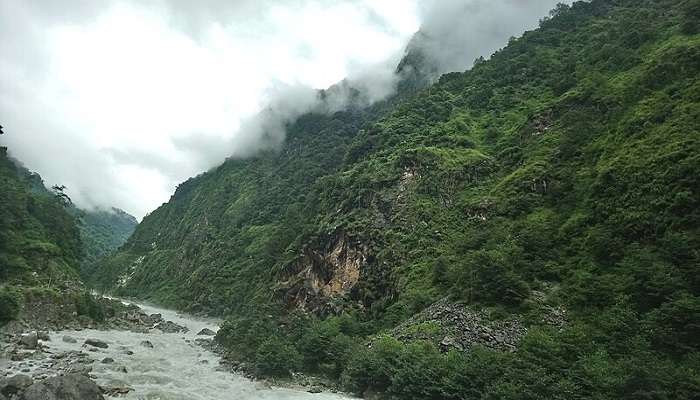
147 343
107 360
69 339
66 387
43 335
116 391
206 332
29 340
170 327
14 384
97 343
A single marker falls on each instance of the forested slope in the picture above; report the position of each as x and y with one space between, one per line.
39 239
561 174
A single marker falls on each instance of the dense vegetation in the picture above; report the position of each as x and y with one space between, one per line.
562 172
39 239
101 232
44 240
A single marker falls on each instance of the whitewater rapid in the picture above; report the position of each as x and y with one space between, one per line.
174 369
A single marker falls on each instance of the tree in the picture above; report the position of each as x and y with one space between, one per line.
691 17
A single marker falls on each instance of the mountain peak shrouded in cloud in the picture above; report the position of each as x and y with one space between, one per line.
122 100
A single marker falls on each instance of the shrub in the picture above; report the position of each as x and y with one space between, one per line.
87 304
9 304
276 357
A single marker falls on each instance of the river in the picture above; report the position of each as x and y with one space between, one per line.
174 369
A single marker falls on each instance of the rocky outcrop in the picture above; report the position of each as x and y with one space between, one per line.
456 327
322 274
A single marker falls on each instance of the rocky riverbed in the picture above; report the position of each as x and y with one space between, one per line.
141 353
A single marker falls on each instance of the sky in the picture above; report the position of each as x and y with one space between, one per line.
121 100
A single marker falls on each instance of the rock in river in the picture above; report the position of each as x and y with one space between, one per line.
29 340
97 343
67 387
206 332
14 384
69 339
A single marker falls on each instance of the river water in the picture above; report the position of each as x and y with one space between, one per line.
174 369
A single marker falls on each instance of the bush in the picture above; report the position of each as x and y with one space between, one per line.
276 357
9 304
87 304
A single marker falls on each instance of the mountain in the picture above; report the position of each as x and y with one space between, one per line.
525 229
102 232
39 239
46 245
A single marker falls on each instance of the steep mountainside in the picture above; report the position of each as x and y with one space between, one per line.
44 240
102 232
39 239
561 174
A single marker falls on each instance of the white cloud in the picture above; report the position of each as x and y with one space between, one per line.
120 100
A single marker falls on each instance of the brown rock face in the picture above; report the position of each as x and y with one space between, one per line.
318 276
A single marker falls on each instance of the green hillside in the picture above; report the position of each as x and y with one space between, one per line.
561 174
102 232
39 239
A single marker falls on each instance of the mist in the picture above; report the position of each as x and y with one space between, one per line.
122 100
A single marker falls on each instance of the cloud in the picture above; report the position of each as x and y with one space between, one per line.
456 32
121 100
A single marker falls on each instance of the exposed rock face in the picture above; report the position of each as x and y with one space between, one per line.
67 387
320 275
206 332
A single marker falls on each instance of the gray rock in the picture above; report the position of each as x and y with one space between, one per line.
14 384
97 343
43 335
29 340
170 327
116 391
107 360
67 387
206 332
147 343
69 339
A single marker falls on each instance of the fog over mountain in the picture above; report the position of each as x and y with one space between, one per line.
120 101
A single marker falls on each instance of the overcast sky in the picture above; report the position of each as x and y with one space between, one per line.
120 100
